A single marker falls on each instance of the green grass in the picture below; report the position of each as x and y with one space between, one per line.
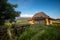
39 32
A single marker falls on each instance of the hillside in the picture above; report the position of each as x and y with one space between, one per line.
40 32
23 18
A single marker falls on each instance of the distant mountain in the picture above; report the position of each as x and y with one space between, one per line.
23 18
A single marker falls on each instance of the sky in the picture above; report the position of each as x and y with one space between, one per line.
30 7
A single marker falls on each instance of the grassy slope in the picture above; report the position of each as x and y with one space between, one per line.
39 32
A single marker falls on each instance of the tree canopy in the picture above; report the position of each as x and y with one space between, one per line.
7 11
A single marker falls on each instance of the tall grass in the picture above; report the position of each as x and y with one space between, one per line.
39 32
32 32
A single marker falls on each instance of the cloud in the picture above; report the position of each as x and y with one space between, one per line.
26 15
58 17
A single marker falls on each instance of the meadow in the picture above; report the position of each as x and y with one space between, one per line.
41 32
27 31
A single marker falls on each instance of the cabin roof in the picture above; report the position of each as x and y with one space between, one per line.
40 14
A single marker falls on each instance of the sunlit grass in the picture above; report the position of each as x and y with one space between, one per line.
35 31
39 32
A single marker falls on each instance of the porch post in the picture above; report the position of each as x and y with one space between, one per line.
47 21
51 21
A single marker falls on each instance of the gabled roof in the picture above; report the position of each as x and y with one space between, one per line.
40 14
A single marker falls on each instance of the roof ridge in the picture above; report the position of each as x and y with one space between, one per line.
39 14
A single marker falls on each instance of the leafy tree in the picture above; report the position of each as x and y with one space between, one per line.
7 11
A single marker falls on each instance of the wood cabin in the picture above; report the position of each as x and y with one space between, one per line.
41 18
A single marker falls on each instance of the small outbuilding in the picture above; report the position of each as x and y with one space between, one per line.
41 18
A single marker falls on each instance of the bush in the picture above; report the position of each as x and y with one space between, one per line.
3 33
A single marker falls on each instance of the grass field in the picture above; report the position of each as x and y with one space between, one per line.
33 32
40 32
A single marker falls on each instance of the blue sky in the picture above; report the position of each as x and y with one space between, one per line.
29 7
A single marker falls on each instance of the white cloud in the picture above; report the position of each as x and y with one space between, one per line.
26 15
58 17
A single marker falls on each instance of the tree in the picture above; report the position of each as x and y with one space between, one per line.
7 11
